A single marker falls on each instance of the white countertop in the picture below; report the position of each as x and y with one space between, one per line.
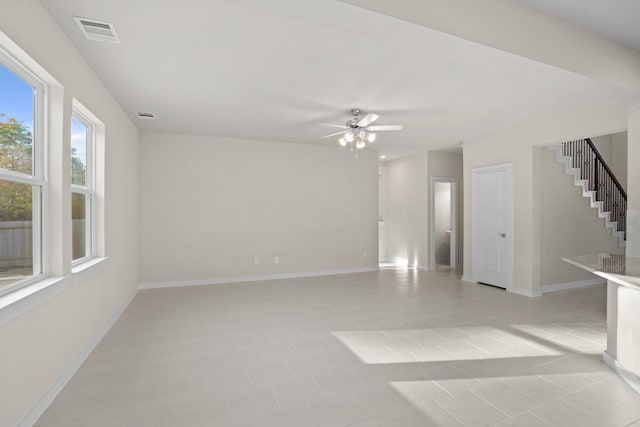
620 269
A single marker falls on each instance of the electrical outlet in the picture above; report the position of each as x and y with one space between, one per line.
256 260
276 260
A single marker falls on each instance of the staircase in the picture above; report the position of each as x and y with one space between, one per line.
597 182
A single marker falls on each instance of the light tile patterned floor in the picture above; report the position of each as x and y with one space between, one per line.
394 348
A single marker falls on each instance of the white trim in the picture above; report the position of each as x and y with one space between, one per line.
524 293
423 268
27 297
628 376
81 272
493 168
512 290
572 285
32 416
83 116
239 279
9 58
453 251
79 189
9 175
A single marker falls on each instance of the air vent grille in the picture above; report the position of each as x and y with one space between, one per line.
146 115
97 30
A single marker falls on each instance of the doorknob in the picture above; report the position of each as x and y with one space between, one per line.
503 235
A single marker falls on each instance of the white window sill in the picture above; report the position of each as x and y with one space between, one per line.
20 301
27 298
88 268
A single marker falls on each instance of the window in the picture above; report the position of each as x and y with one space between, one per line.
22 183
34 251
82 187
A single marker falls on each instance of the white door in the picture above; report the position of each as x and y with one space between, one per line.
492 238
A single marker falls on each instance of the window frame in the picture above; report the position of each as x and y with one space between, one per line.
89 189
37 179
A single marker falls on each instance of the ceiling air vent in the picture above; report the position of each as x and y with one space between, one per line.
146 115
97 30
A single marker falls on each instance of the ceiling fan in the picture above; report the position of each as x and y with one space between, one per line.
357 132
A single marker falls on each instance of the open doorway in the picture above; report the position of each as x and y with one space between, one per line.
444 223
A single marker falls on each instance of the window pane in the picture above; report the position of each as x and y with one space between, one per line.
78 152
16 232
79 224
16 123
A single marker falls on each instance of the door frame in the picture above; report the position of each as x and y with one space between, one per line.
475 252
453 250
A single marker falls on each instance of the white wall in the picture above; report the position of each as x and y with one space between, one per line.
603 144
570 226
38 346
618 160
209 206
407 216
613 148
633 184
520 147
515 27
406 225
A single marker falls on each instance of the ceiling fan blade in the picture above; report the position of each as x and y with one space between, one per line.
367 120
385 127
335 126
333 134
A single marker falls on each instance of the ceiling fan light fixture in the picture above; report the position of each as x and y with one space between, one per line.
358 132
349 136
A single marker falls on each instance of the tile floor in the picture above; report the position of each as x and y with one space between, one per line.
394 348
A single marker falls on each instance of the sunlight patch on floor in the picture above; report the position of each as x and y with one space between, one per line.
444 344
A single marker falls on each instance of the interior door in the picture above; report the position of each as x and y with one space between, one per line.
492 225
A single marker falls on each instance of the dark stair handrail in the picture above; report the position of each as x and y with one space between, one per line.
601 179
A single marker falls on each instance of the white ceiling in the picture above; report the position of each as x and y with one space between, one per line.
276 70
616 20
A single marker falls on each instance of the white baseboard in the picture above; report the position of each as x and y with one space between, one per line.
627 376
525 293
423 268
239 279
572 285
32 416
512 290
